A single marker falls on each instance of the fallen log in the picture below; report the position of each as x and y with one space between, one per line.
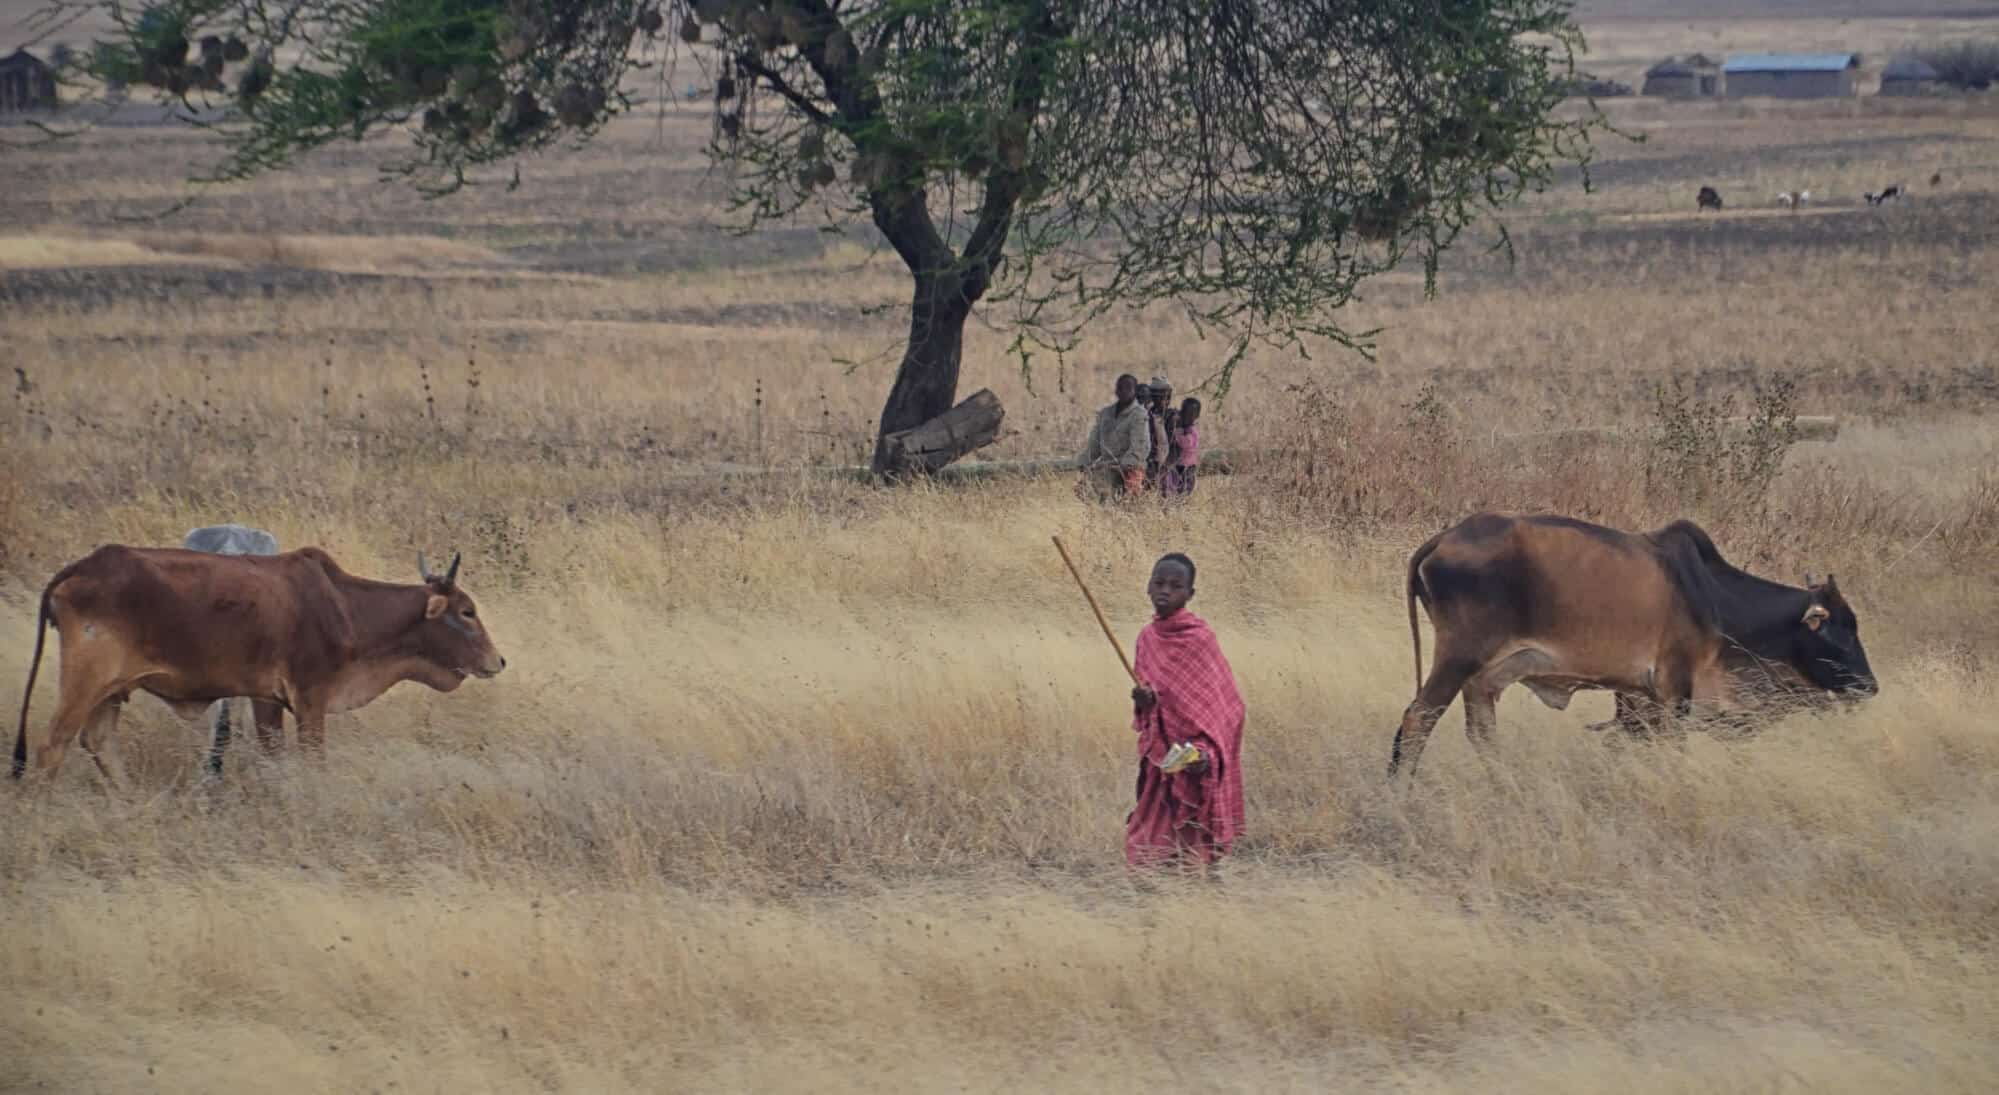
926 449
1216 462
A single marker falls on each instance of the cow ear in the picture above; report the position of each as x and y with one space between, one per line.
435 607
1815 616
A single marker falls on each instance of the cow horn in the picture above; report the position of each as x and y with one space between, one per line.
422 566
451 573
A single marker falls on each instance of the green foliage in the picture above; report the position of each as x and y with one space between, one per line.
483 80
115 63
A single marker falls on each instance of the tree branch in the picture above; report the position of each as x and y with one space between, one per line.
858 101
911 231
899 210
1005 181
775 80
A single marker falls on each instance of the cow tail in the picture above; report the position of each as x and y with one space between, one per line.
1414 592
44 618
34 667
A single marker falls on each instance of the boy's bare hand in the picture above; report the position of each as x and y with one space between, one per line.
1143 698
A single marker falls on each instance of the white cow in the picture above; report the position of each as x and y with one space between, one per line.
267 717
231 540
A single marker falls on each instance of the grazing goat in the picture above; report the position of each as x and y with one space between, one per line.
1892 192
1708 198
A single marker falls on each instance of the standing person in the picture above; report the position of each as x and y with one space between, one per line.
1189 718
1184 456
1157 398
1113 459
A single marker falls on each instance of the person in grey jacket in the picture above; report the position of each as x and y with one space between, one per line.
1113 459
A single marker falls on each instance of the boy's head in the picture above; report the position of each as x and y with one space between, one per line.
1190 411
1172 584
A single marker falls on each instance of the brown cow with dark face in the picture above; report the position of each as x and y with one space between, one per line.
1561 605
193 627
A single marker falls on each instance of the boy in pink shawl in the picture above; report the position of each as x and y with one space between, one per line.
1189 717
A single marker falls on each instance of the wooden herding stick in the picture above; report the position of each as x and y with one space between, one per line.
1115 645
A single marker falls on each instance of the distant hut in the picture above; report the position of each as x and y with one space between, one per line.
1688 78
1670 79
1792 75
1707 72
26 83
1908 76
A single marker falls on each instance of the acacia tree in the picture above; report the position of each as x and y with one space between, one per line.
1251 161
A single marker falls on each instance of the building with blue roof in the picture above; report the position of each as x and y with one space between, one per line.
1791 75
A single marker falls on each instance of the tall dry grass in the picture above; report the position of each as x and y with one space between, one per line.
792 784
749 809
757 805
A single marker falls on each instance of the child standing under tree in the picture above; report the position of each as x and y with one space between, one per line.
1185 456
1189 718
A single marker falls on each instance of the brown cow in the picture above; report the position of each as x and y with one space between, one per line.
193 627
1561 605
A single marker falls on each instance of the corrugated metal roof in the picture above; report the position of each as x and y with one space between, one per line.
1788 62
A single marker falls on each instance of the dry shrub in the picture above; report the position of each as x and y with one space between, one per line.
1699 455
1734 465
1968 64
1363 467
1420 464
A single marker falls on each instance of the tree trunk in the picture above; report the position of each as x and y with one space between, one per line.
927 382
926 449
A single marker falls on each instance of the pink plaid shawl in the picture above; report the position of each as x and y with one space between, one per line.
1180 659
1189 440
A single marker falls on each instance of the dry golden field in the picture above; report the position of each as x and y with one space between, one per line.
795 784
